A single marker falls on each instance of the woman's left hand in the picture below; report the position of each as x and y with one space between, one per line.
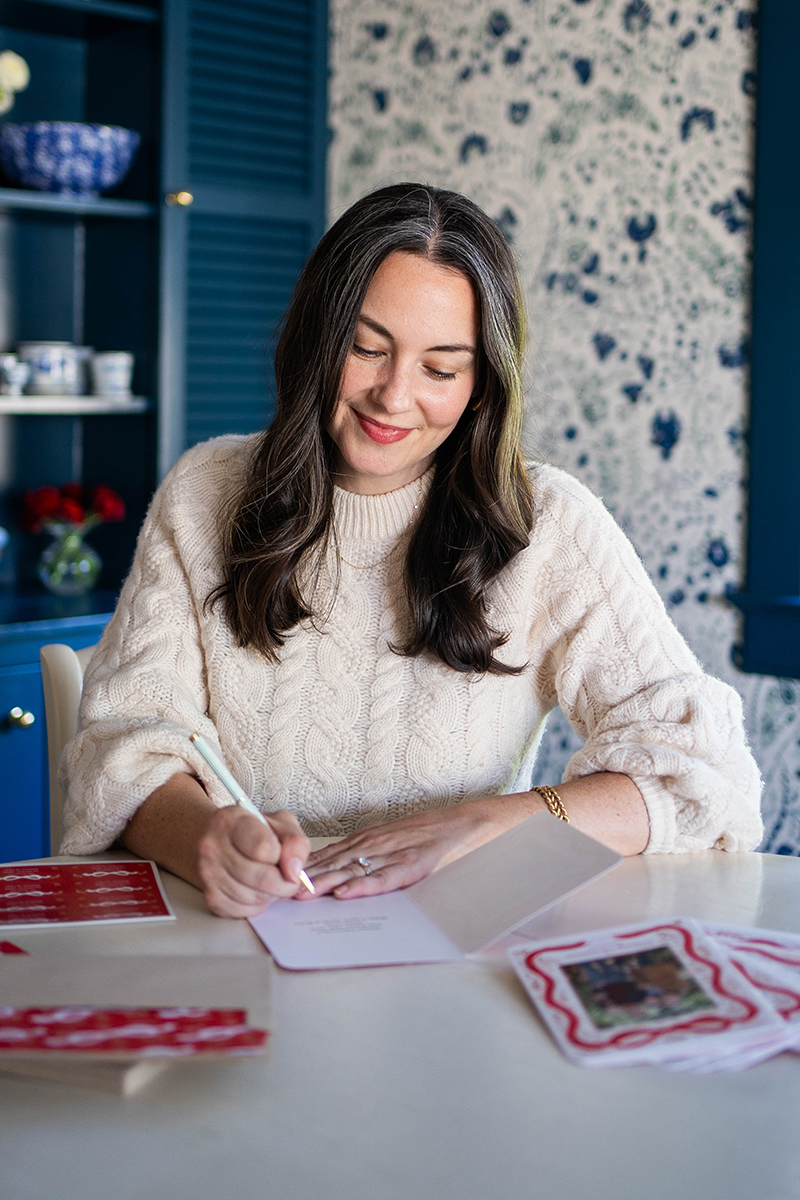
398 853
606 806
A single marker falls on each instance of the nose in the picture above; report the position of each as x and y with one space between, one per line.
392 390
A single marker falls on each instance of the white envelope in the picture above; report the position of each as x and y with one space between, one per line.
459 910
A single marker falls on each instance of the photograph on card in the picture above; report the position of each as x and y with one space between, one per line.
636 988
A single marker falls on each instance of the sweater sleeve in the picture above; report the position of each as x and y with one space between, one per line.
145 688
632 689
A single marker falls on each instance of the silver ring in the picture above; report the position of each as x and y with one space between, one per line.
365 864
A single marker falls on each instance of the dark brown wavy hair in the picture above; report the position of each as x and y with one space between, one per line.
478 512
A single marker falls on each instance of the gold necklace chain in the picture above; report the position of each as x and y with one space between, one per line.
371 566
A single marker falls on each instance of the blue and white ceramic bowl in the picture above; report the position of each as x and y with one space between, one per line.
66 157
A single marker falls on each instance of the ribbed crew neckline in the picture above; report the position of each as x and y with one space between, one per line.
376 520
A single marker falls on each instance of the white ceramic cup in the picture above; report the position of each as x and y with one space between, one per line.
56 368
13 375
112 372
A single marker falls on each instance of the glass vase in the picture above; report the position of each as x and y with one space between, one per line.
68 566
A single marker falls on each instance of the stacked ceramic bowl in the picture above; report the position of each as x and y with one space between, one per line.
66 157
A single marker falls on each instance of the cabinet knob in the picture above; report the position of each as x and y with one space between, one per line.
181 199
19 717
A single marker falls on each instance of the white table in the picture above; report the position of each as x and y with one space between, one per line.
422 1083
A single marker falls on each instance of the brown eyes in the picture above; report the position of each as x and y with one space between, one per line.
362 352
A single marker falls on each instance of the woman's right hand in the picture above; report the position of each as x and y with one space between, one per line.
240 864
244 865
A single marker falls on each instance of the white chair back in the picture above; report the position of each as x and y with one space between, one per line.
62 679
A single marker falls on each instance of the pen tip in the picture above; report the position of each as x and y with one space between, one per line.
304 879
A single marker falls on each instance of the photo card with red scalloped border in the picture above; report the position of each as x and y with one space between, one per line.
658 992
770 960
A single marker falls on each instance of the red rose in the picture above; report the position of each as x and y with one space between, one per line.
70 510
40 505
68 503
107 504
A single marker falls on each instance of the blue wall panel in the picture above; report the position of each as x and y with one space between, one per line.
771 602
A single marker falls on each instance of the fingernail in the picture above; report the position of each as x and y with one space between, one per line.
342 891
295 867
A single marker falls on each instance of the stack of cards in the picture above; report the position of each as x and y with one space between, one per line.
113 1022
128 1032
118 1049
682 994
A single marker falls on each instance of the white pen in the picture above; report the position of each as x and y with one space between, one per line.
240 796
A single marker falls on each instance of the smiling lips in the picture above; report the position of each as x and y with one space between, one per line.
383 434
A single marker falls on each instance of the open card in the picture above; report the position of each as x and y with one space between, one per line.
36 895
460 909
656 992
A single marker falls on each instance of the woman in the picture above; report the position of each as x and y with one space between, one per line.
372 607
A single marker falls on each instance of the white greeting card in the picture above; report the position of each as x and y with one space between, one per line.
460 909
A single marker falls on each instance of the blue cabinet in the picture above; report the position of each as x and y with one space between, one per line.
188 263
23 815
24 784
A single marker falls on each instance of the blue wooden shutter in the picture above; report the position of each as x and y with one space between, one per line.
240 276
245 134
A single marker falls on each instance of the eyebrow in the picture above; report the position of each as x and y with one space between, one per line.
454 349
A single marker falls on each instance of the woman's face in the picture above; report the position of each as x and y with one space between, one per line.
408 377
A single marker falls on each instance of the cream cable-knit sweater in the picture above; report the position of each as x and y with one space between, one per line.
344 732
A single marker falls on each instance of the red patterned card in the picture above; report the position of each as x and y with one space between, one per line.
174 1032
42 894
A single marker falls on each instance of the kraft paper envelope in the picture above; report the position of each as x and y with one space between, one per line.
459 910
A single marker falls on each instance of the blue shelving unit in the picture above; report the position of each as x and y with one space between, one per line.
229 97
82 270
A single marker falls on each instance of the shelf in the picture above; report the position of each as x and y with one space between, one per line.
106 8
70 406
25 613
74 18
90 206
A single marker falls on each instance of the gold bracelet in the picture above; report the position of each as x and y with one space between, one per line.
553 802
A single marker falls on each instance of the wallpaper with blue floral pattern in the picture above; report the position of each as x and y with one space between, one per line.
612 141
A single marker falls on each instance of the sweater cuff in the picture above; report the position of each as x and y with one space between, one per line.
660 807
94 821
